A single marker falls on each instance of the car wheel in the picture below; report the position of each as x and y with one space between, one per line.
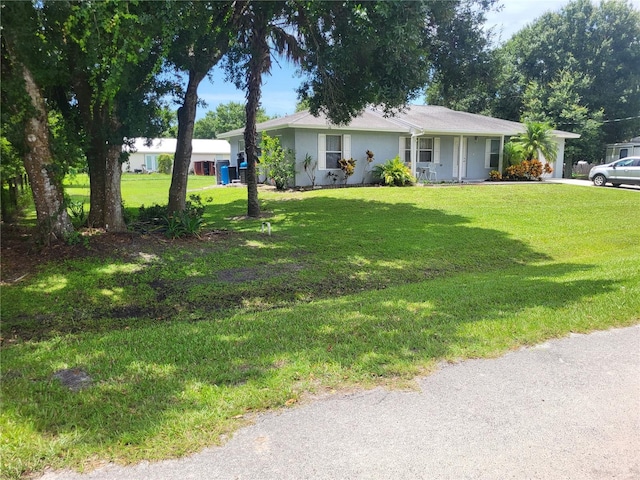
599 180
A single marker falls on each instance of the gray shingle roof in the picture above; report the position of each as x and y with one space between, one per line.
419 118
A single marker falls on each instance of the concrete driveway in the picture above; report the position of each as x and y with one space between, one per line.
566 409
587 183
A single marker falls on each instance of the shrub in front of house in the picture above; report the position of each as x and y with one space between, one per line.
394 173
495 176
527 170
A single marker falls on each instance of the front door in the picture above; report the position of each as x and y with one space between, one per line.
459 166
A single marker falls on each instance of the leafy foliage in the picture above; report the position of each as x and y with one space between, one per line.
537 139
393 173
495 176
512 154
76 211
278 163
348 167
165 162
309 166
527 170
226 117
185 223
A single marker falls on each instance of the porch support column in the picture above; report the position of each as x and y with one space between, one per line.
460 158
414 148
501 153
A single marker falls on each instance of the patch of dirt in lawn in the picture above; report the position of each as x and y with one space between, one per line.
22 256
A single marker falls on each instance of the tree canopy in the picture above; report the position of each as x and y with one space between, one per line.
226 117
578 69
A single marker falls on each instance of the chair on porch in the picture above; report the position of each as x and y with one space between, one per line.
427 174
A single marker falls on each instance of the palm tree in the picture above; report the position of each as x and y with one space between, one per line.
538 140
264 35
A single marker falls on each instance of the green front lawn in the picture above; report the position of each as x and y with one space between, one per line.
184 340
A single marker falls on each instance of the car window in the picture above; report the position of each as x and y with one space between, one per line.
625 163
636 162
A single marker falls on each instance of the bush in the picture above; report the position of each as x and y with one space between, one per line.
394 173
165 163
278 163
495 176
189 222
527 170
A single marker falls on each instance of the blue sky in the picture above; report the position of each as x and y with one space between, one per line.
279 89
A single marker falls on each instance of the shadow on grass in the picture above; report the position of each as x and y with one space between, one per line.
367 291
320 248
189 380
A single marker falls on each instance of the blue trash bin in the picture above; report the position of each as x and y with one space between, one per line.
224 175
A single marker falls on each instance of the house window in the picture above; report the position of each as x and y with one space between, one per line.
492 154
407 150
425 149
624 152
332 148
151 163
334 151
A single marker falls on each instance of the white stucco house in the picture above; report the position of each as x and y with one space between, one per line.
449 145
145 152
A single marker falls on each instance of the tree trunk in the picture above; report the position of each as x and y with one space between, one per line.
113 210
182 158
103 160
97 173
259 61
52 217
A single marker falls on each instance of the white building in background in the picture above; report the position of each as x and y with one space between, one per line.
145 152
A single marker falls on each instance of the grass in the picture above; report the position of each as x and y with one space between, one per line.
355 287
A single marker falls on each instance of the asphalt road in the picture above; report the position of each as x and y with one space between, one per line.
566 409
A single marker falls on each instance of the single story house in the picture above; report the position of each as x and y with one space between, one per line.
143 156
616 151
447 144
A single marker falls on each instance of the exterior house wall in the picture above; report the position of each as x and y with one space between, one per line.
135 162
383 145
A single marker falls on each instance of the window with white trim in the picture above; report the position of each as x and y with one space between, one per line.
407 149
331 149
333 152
492 154
424 149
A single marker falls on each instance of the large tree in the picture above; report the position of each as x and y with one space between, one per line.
25 116
599 43
464 64
560 104
204 32
113 52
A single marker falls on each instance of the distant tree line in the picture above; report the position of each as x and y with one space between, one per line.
577 69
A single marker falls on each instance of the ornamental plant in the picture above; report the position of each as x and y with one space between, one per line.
394 173
278 163
527 170
348 167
